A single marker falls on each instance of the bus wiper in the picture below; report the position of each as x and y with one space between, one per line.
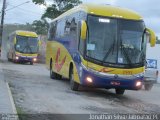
111 49
125 53
142 56
30 48
24 49
27 47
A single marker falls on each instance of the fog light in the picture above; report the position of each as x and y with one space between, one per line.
138 83
34 59
89 79
17 57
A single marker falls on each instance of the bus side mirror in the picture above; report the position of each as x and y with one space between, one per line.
83 30
14 40
152 38
39 42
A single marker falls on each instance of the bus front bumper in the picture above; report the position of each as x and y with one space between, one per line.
89 78
25 59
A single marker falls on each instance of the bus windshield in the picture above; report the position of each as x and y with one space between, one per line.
26 44
116 42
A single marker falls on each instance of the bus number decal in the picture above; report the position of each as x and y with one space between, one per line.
58 65
127 72
106 70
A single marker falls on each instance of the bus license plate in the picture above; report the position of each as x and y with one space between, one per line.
116 83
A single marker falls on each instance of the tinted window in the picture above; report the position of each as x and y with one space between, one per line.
52 31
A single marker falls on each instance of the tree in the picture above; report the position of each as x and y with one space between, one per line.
58 7
39 1
40 26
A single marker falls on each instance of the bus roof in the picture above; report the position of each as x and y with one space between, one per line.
104 10
26 33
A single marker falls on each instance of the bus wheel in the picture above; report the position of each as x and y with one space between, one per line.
74 85
52 74
57 76
31 63
9 60
8 57
148 86
119 91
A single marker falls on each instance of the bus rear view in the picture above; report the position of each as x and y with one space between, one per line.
23 47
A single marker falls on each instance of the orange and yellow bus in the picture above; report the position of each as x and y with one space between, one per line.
99 46
23 46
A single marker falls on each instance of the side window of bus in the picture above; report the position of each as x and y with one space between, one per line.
8 43
12 38
11 42
52 31
60 29
71 26
71 30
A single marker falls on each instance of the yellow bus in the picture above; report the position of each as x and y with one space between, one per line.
23 47
99 46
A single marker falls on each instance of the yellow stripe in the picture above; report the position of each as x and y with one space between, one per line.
103 10
26 33
110 70
29 55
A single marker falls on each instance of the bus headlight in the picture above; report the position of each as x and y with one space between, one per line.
34 59
138 83
17 58
89 79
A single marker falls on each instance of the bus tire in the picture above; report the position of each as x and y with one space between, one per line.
9 60
8 57
74 85
31 63
52 74
57 76
119 91
148 86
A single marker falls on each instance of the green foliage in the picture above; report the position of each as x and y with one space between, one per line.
39 1
51 12
40 26
58 7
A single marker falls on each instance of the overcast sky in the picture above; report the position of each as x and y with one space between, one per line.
27 12
148 9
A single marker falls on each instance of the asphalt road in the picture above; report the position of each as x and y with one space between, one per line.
35 93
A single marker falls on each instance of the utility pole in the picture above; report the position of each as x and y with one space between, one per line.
2 22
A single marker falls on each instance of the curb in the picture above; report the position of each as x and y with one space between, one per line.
12 102
11 99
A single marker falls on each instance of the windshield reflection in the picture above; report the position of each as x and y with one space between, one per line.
116 41
26 44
